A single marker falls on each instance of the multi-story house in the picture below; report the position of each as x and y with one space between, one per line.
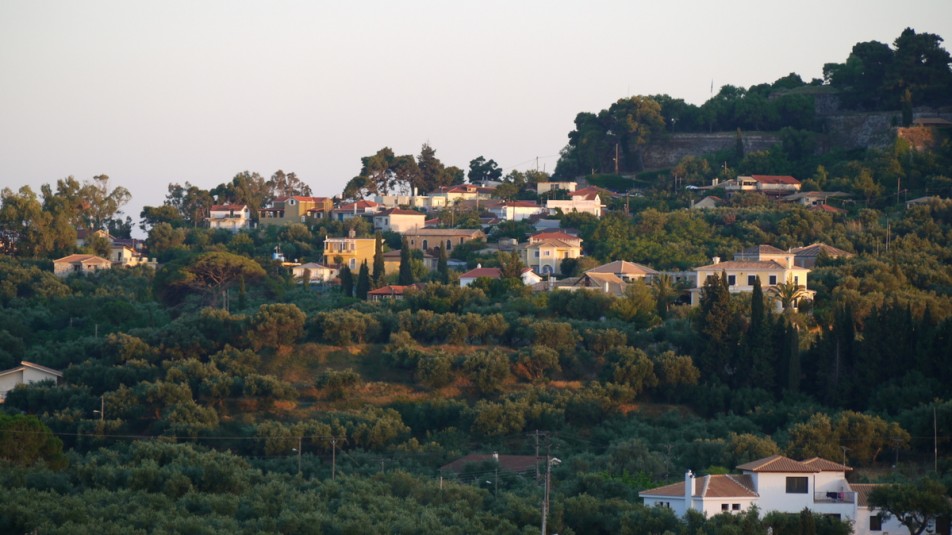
545 251
776 484
294 209
431 239
351 210
399 220
350 251
518 210
770 265
230 217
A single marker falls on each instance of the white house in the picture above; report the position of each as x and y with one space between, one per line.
79 263
315 272
230 217
518 210
776 484
399 220
25 373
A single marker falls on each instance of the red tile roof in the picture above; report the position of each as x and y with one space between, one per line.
227 207
778 463
490 273
827 466
553 235
775 179
713 486
82 259
389 290
511 463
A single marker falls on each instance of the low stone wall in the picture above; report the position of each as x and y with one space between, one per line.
669 151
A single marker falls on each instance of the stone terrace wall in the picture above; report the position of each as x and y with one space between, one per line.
668 152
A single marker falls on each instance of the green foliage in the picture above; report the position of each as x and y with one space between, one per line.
914 505
25 441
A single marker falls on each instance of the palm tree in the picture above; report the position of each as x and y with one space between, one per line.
788 293
665 293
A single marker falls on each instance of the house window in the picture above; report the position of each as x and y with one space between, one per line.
724 507
797 485
449 244
796 281
731 280
537 254
875 523
751 280
353 264
773 280
548 253
735 507
413 242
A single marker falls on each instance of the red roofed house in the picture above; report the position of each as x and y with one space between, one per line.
387 292
586 200
520 464
775 484
807 256
355 209
479 273
545 251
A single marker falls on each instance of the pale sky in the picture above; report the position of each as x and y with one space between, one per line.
151 93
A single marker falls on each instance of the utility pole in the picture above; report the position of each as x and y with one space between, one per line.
333 458
616 157
102 408
300 441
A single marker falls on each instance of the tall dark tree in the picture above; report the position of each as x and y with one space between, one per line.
378 272
406 265
482 169
433 174
284 184
346 281
758 342
442 266
714 326
363 281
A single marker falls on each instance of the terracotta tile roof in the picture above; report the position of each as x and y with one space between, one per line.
775 179
389 290
550 243
359 205
761 250
510 463
490 273
819 248
590 192
82 259
521 204
778 463
826 466
736 264
713 486
227 207
553 235
400 211
624 267
862 491
26 364
826 208
466 232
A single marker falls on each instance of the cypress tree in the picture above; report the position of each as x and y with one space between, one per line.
406 266
442 267
378 262
363 281
346 281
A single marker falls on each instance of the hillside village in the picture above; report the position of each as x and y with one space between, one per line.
738 340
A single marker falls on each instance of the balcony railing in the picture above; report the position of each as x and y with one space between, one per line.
834 497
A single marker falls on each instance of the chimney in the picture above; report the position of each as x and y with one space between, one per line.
689 490
479 266
716 260
495 456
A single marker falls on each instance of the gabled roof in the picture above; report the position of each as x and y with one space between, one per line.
489 273
712 486
314 265
359 205
775 179
551 243
826 208
228 207
25 364
553 235
389 290
624 267
590 192
399 211
758 250
739 264
443 232
827 466
510 463
862 491
520 204
817 249
82 259
778 463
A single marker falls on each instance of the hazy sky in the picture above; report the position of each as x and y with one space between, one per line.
173 91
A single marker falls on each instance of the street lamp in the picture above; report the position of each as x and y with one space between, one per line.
298 451
102 408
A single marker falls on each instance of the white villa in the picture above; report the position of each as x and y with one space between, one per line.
780 484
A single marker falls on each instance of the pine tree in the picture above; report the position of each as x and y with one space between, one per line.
346 281
363 281
406 266
378 262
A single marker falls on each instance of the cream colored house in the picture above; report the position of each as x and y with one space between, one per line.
79 263
546 187
399 220
518 210
315 272
772 266
624 270
545 255
26 373
230 217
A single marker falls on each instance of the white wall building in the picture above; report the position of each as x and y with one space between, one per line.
25 373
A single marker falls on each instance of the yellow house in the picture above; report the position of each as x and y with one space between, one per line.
768 264
431 239
350 252
294 209
545 252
